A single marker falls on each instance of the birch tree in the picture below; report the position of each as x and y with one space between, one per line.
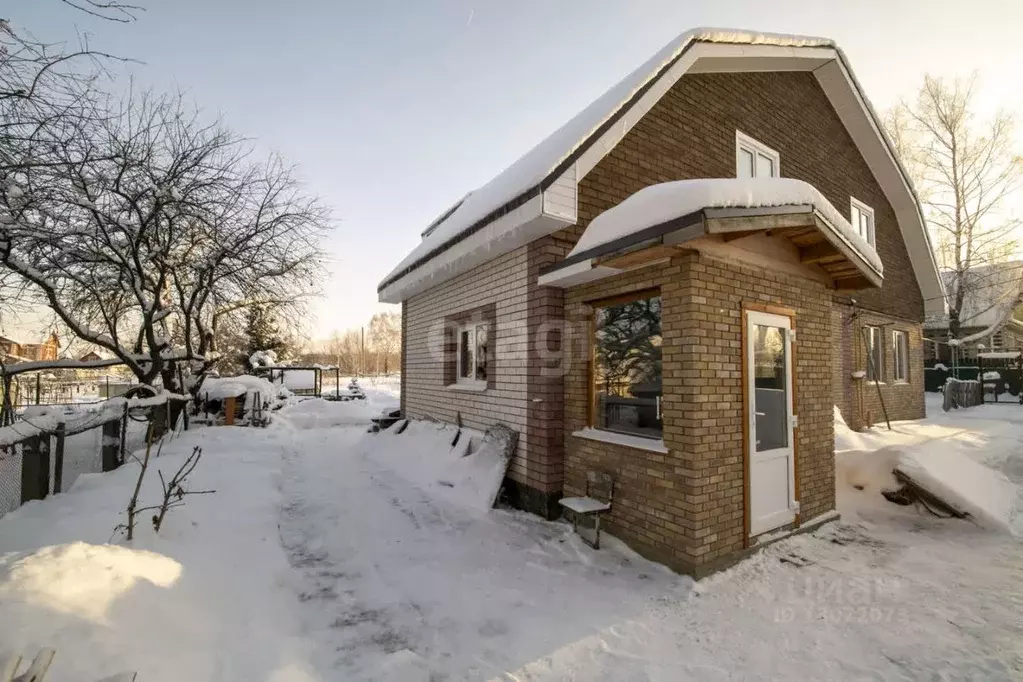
965 169
385 338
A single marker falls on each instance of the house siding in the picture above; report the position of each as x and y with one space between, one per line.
502 283
686 507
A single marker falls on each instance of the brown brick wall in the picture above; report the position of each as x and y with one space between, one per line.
859 399
686 508
690 133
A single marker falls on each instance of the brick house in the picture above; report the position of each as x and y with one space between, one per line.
675 288
47 350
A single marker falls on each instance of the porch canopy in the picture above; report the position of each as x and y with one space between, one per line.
777 223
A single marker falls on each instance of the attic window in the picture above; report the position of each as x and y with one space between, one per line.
862 219
754 159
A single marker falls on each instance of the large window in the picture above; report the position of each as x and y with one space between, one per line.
472 354
627 366
754 159
875 354
863 220
900 348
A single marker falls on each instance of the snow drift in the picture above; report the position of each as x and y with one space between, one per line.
971 488
461 465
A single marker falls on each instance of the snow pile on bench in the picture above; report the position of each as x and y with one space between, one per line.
658 204
968 487
469 473
236 387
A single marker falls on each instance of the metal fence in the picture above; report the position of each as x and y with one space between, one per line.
1000 381
39 459
41 389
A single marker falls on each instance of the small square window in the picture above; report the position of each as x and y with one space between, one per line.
472 354
862 220
754 159
900 348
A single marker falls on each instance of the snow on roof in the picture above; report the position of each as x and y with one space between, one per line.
525 177
990 295
658 204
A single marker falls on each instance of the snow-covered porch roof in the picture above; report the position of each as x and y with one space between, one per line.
786 223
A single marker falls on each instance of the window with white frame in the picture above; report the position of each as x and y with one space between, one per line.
754 159
862 219
472 354
875 354
900 348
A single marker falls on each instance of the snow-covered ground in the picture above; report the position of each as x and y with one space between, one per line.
316 561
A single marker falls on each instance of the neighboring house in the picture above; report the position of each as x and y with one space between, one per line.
688 337
47 350
991 296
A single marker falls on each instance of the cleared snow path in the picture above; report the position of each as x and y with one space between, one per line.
399 585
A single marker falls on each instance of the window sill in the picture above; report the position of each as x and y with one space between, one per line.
612 438
900 382
474 387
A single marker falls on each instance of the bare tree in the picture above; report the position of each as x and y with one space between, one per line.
385 337
345 350
47 93
965 170
147 223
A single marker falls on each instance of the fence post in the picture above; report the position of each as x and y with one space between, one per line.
58 464
124 433
39 385
35 468
111 445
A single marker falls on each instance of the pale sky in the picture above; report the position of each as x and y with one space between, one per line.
394 109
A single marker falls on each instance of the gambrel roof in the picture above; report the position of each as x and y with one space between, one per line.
536 195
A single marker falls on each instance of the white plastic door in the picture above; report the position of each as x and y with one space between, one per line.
771 422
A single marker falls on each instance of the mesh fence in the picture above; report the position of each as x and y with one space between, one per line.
10 478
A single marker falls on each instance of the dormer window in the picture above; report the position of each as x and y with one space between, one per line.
754 159
862 219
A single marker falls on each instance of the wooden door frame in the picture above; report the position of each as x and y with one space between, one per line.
752 307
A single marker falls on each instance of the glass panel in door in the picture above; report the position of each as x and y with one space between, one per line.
770 390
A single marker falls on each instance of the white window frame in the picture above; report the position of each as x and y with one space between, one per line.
857 205
744 141
873 331
473 382
900 351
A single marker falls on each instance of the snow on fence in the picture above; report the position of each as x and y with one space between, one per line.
49 447
962 394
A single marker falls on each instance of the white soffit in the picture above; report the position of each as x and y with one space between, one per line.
530 224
